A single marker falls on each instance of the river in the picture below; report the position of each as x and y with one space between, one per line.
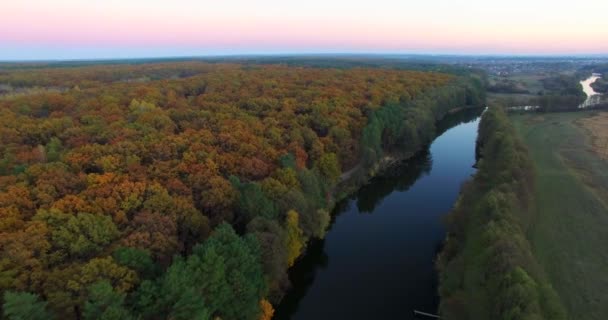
592 96
377 259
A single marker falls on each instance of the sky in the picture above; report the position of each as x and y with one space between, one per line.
100 29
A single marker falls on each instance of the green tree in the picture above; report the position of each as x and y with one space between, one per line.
371 141
288 161
105 304
190 305
223 277
83 235
270 235
252 201
147 299
243 271
24 306
313 187
321 222
136 259
205 275
53 149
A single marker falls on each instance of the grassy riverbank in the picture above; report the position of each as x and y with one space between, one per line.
487 266
569 236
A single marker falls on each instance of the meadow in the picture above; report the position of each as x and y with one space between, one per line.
568 236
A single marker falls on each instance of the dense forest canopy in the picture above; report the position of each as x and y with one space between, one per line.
186 189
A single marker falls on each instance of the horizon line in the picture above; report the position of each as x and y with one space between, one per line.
313 54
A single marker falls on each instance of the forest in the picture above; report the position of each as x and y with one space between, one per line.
487 268
600 85
186 189
561 92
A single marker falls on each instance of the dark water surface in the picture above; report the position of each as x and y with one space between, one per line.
377 260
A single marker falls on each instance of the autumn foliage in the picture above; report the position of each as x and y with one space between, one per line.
113 178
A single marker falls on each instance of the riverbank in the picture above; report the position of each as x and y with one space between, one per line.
359 177
487 268
569 235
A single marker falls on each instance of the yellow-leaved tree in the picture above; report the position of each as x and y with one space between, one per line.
267 311
294 239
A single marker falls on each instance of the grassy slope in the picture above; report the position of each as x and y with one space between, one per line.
570 236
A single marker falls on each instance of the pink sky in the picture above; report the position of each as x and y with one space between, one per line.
123 28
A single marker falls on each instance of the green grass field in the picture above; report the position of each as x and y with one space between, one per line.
570 232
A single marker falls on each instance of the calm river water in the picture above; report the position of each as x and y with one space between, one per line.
377 260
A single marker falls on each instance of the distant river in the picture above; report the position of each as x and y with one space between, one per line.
592 96
377 259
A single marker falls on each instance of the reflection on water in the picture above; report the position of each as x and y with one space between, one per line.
398 178
452 120
376 261
593 97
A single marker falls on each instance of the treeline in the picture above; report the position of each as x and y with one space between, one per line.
404 127
188 196
86 75
587 70
600 85
561 92
418 63
487 269
505 85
